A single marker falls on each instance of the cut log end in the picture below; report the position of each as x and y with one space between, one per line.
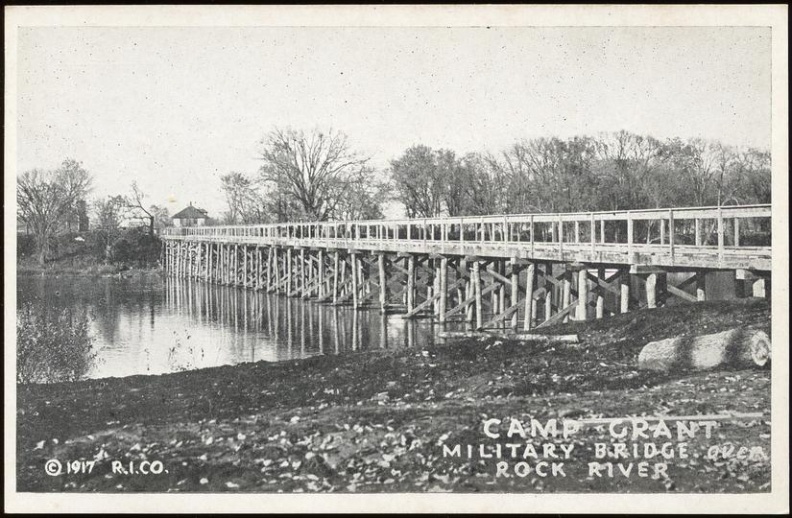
759 348
736 348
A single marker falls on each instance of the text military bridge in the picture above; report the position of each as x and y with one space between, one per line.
491 271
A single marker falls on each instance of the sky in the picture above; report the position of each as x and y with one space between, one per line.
176 108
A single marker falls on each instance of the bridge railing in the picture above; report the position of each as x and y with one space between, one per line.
722 228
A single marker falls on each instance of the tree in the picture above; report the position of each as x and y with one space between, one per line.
362 198
108 213
420 181
161 216
477 185
246 203
135 204
309 173
46 199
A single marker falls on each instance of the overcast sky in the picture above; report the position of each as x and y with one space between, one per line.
176 108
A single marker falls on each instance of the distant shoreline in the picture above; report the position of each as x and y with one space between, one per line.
92 270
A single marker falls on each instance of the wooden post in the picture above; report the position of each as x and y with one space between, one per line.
245 267
629 238
582 307
476 280
602 231
289 272
502 288
701 286
697 231
303 273
566 294
532 236
759 288
671 233
515 292
560 237
721 243
624 284
383 294
354 273
443 288
321 274
410 283
275 268
548 302
529 302
493 267
651 290
534 305
208 269
236 265
468 293
362 284
600 311
736 232
336 274
436 283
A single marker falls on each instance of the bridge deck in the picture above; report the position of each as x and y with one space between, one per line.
677 237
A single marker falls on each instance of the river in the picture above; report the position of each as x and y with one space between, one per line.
154 326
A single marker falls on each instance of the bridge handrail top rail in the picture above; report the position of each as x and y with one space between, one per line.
486 218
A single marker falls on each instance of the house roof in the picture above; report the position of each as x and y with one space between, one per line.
190 213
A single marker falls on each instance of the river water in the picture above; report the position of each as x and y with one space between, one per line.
153 326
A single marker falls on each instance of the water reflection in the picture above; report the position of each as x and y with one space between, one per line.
151 326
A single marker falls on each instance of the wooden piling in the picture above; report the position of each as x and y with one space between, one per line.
600 308
514 276
548 301
354 273
701 286
651 290
383 283
582 308
566 294
476 280
410 283
529 302
624 287
443 288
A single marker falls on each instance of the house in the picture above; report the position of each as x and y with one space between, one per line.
190 217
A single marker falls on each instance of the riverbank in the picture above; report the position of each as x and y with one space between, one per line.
379 421
93 269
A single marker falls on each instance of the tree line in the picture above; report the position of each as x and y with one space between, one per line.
317 176
53 204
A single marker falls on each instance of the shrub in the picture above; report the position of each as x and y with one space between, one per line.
136 247
52 347
26 245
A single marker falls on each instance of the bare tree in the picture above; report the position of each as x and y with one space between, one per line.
244 198
46 199
135 204
312 170
420 181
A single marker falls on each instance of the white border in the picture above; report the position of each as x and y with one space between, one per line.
774 16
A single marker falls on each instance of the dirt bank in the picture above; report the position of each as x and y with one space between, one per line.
378 421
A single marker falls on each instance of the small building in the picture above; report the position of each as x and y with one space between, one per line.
190 217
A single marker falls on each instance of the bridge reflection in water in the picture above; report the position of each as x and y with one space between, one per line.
277 328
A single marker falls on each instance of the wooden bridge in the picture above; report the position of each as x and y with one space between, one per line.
513 271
